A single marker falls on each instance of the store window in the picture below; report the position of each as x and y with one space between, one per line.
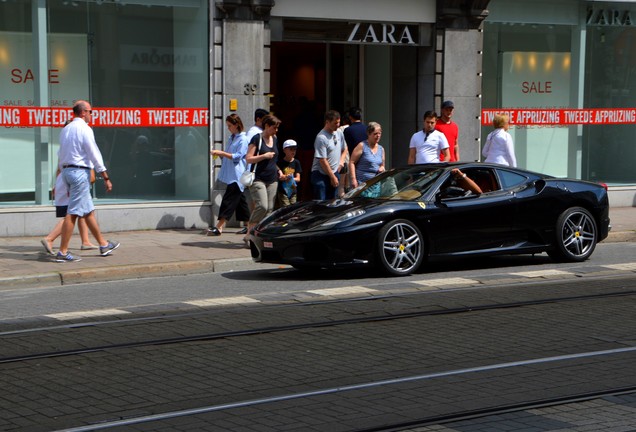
610 150
529 66
133 54
17 167
539 66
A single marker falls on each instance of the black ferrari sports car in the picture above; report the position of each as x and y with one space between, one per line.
406 215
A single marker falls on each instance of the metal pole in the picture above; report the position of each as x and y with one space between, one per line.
41 98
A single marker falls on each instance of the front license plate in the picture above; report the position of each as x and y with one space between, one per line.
268 245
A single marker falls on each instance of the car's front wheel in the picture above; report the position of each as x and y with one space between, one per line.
400 247
576 235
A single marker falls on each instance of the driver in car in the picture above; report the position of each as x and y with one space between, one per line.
461 180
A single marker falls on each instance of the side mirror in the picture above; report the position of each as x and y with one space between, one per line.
539 185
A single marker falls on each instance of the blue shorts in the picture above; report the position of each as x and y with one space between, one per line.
78 182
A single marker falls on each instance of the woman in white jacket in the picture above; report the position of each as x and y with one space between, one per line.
499 147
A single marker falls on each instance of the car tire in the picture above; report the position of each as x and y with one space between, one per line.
576 235
400 247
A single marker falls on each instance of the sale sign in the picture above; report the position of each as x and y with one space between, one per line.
537 82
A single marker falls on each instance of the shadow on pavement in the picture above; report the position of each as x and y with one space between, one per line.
287 273
215 245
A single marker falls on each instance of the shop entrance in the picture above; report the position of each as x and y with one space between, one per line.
308 79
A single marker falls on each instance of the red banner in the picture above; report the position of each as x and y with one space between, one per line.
105 117
561 117
11 116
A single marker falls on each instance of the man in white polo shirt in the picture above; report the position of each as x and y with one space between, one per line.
427 144
77 155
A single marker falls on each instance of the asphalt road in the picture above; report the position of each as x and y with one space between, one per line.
271 284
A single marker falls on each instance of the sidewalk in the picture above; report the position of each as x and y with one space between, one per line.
23 261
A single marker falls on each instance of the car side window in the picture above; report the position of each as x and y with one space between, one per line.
484 178
511 179
452 189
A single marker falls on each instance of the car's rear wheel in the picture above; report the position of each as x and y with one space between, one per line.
400 247
576 235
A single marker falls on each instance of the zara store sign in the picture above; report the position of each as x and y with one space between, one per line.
609 17
381 33
354 32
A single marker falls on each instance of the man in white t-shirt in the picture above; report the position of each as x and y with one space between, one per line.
427 144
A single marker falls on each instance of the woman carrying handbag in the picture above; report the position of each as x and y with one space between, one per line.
263 151
232 168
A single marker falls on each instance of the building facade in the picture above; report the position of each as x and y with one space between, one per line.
131 58
570 61
296 58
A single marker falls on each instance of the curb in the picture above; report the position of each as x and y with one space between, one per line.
620 236
134 271
30 281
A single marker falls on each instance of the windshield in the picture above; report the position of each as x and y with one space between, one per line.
408 183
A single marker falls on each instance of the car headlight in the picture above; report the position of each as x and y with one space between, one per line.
343 217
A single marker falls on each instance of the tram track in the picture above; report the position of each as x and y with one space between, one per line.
499 410
93 326
400 426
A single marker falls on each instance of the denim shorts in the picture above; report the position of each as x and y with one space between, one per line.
78 181
321 185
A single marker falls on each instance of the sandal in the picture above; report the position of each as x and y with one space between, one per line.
214 232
